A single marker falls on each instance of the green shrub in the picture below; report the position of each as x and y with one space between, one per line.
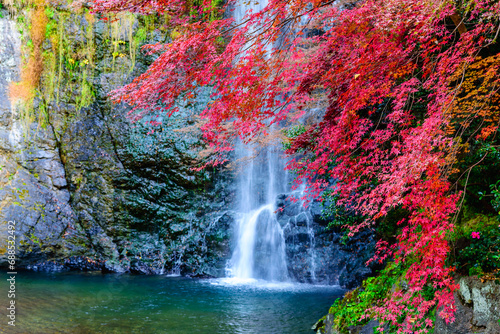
482 255
351 310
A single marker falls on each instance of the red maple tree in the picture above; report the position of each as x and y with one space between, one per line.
386 77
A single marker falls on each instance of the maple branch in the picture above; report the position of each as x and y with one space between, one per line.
459 23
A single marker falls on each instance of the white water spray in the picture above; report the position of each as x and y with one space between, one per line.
260 245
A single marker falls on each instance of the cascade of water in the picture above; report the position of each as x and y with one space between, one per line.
260 245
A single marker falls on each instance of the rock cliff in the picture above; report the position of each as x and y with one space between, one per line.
87 187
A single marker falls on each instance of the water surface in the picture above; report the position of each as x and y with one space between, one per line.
97 303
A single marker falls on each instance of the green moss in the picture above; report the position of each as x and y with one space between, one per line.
22 194
474 240
350 310
216 14
49 80
35 240
49 12
87 95
60 40
141 35
43 116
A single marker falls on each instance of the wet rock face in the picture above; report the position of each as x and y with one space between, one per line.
316 254
33 187
86 184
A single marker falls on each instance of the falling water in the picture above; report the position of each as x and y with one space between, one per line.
260 245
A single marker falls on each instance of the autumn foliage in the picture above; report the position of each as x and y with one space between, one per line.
32 66
389 93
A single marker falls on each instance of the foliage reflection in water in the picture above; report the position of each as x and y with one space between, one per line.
97 303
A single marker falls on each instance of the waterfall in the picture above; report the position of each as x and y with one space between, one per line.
260 251
260 245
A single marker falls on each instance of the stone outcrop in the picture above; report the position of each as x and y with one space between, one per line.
478 309
318 254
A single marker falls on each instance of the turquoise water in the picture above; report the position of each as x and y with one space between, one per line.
97 303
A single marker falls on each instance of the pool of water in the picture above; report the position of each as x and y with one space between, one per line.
97 303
